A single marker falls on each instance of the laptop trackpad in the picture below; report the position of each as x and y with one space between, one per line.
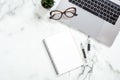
87 23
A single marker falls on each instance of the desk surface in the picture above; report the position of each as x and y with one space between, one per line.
24 57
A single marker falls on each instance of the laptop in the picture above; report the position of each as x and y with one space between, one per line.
96 18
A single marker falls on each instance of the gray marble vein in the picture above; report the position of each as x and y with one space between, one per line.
9 7
23 56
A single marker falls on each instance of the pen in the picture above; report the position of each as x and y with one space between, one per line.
88 45
83 51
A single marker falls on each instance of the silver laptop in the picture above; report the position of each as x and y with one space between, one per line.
96 18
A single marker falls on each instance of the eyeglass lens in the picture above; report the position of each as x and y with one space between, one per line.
70 12
56 15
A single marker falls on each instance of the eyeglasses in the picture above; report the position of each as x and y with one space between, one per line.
57 15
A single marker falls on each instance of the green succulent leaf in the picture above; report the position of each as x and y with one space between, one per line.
47 3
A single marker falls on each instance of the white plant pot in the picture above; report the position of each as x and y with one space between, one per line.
40 10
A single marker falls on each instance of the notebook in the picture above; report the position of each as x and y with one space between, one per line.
63 52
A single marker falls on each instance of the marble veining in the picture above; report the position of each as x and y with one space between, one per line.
24 57
9 7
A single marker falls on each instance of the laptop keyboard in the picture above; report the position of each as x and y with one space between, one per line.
104 9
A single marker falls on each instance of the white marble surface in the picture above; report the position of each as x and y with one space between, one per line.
24 57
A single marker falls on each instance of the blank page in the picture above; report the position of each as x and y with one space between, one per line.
63 52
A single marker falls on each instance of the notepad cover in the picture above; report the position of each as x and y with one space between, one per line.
63 52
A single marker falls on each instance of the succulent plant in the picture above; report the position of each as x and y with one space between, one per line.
47 3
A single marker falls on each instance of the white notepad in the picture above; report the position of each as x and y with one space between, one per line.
63 52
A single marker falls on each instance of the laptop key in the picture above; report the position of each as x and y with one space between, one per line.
95 13
100 8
